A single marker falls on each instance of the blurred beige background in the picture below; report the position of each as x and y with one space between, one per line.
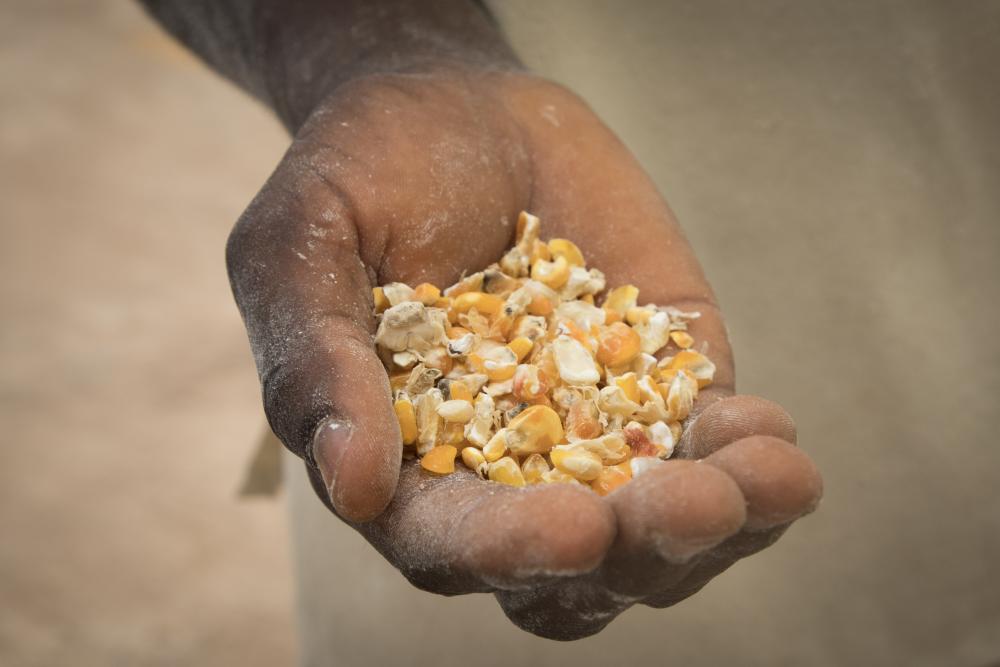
837 166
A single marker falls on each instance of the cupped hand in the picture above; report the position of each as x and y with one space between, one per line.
420 177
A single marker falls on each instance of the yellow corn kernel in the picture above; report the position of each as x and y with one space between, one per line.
676 430
407 418
475 461
533 468
581 464
568 250
620 299
540 251
440 460
381 302
498 364
636 315
485 304
553 274
619 344
682 339
611 478
426 294
556 476
444 303
582 420
610 448
530 383
629 383
520 346
496 447
459 391
506 471
680 394
525 223
456 410
612 316
695 363
534 430
539 305
454 333
452 433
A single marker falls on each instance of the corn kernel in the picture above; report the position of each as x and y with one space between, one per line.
539 305
479 431
680 395
556 476
451 433
576 366
628 383
381 302
582 421
533 468
527 226
521 347
611 316
580 463
611 477
540 251
636 315
485 304
506 471
619 344
697 364
530 383
456 410
621 299
535 430
496 447
567 250
426 294
459 391
439 460
553 274
407 420
498 363
682 339
475 461
610 448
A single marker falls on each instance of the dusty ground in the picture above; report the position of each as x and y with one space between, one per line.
835 164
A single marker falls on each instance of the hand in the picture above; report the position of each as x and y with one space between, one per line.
418 178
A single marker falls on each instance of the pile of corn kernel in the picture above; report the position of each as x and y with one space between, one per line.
515 370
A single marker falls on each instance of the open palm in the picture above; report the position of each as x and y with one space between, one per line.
420 178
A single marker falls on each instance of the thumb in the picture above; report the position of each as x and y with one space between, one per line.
306 300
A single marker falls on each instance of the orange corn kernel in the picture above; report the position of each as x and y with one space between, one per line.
619 344
611 478
440 460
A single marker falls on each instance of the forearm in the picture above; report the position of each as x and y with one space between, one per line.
290 54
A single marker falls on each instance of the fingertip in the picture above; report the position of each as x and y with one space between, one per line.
730 419
358 467
779 481
535 533
680 509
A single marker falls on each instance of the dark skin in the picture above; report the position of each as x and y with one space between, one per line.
416 174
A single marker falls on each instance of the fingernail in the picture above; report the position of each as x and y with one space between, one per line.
329 445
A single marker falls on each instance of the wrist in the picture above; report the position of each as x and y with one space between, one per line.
309 50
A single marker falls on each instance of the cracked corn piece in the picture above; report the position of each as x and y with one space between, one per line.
516 371
506 471
440 460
